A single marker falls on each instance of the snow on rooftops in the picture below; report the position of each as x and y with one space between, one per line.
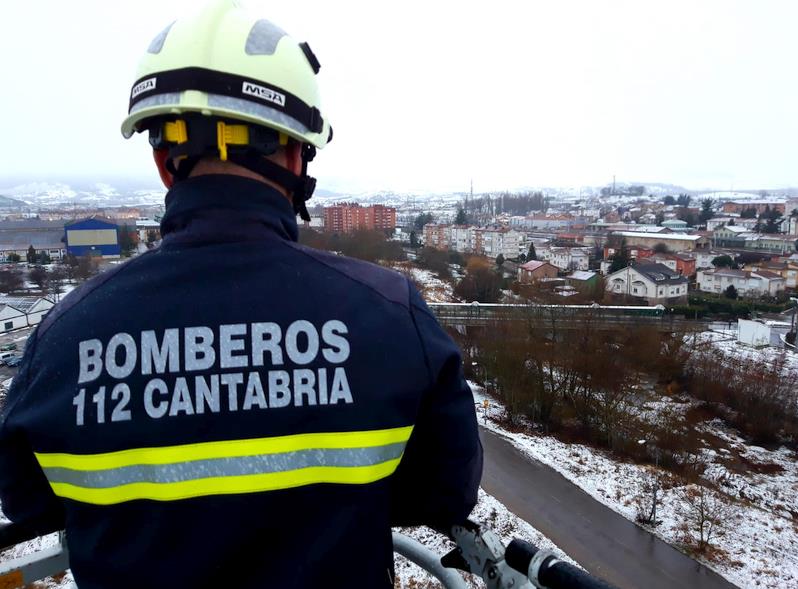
671 236
582 275
533 265
23 304
659 273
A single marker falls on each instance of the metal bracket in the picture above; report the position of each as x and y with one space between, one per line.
535 564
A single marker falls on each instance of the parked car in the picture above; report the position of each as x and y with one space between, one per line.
13 361
7 347
5 356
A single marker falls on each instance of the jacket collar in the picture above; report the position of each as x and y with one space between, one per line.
226 208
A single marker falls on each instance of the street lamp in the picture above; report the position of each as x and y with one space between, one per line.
655 482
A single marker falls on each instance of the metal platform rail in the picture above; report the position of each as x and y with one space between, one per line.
483 313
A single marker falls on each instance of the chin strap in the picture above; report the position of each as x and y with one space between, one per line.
186 141
299 187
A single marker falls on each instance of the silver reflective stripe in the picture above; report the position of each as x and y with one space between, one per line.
237 105
168 98
256 110
157 43
263 38
223 467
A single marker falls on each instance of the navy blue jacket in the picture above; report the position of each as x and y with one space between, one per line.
234 409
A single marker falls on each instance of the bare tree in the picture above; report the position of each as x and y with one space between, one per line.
56 285
40 277
705 513
10 280
648 497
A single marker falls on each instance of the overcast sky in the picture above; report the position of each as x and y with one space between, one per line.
426 95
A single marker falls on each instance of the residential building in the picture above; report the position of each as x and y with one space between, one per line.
491 242
348 217
787 269
535 271
683 265
435 236
655 283
635 253
738 237
459 238
703 259
771 243
146 227
674 241
760 206
730 236
567 258
749 283
485 241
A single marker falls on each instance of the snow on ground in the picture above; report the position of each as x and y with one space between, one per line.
760 543
490 512
30 547
432 288
728 344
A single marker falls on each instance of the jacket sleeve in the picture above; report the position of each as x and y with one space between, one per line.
437 481
25 495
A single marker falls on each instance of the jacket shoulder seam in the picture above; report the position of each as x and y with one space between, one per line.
354 279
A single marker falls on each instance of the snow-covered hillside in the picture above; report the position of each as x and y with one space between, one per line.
59 194
758 545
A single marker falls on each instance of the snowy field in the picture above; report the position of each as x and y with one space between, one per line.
726 341
758 546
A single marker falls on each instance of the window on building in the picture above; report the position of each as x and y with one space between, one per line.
9 325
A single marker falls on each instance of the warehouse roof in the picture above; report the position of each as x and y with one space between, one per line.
23 304
39 239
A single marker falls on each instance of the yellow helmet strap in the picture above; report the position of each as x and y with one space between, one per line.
195 136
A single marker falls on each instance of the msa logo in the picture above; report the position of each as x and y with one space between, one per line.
263 93
144 86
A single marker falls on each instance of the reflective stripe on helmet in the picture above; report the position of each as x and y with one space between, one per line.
214 82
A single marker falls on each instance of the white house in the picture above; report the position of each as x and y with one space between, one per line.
746 282
654 282
703 259
568 258
16 312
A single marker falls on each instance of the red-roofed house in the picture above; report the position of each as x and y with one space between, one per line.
536 270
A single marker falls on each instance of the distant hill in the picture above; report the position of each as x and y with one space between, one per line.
7 202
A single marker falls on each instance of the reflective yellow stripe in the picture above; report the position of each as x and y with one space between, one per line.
225 449
228 485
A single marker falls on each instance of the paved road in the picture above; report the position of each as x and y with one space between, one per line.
605 543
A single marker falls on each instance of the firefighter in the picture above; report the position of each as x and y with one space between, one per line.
232 408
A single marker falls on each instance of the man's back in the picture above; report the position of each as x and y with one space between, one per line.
235 407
